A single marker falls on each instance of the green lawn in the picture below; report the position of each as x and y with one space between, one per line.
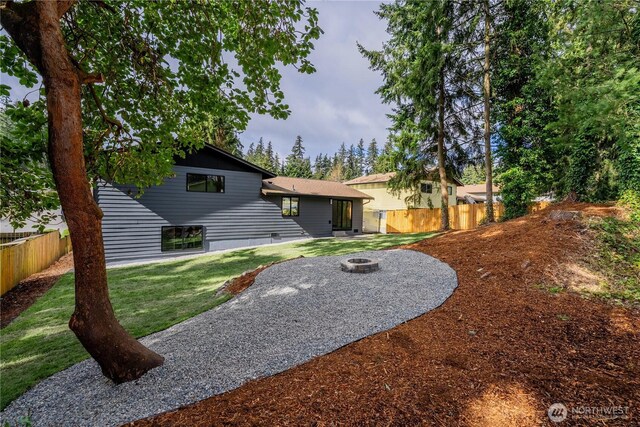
146 299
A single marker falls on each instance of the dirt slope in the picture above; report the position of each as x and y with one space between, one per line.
497 353
25 293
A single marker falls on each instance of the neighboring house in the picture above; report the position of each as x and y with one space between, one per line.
377 186
219 201
476 193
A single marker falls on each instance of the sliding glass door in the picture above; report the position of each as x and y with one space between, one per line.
342 212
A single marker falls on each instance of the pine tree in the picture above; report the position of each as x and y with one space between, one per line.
361 158
318 167
337 167
426 66
372 157
473 174
296 165
351 164
250 153
385 161
268 153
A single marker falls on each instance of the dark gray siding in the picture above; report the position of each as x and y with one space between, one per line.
238 217
357 215
315 214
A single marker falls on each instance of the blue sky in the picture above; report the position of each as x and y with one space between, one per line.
337 103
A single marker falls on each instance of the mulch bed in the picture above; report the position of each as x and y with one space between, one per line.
238 284
25 293
499 352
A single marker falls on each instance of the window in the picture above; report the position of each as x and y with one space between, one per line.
205 183
290 206
450 190
181 238
426 188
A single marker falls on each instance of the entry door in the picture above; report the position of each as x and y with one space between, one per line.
342 212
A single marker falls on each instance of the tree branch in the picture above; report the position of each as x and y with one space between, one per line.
64 6
103 113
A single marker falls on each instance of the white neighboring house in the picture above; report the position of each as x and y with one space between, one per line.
476 193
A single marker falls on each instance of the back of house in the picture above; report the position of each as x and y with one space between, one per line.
218 201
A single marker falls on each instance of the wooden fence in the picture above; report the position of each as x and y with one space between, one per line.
22 259
461 217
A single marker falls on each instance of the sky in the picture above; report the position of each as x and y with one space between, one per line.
335 104
338 102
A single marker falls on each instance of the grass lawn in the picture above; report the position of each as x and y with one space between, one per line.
146 299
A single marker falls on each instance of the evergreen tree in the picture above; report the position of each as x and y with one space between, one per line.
386 160
522 105
250 153
269 158
426 66
296 165
361 158
337 167
342 155
277 165
372 157
473 174
318 167
259 152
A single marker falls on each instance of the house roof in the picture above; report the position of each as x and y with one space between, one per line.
384 177
265 173
477 189
370 179
284 185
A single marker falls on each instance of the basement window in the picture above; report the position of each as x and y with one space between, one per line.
181 238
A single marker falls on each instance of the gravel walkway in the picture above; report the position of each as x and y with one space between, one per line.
295 311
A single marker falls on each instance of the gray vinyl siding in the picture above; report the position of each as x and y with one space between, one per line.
357 215
238 217
315 215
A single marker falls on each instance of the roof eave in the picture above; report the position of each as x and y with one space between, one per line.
265 173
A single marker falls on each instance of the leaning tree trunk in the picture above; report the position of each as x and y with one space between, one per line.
121 357
487 123
444 191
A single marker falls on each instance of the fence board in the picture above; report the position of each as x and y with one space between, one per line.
20 260
461 217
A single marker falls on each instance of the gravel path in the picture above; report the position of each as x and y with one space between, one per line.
294 311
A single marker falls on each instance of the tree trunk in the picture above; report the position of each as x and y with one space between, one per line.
121 357
488 167
444 191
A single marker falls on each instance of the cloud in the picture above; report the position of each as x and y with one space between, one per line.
337 103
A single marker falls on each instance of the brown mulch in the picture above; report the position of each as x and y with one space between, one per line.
239 284
498 352
25 293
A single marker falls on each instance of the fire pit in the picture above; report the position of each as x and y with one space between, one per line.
360 265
